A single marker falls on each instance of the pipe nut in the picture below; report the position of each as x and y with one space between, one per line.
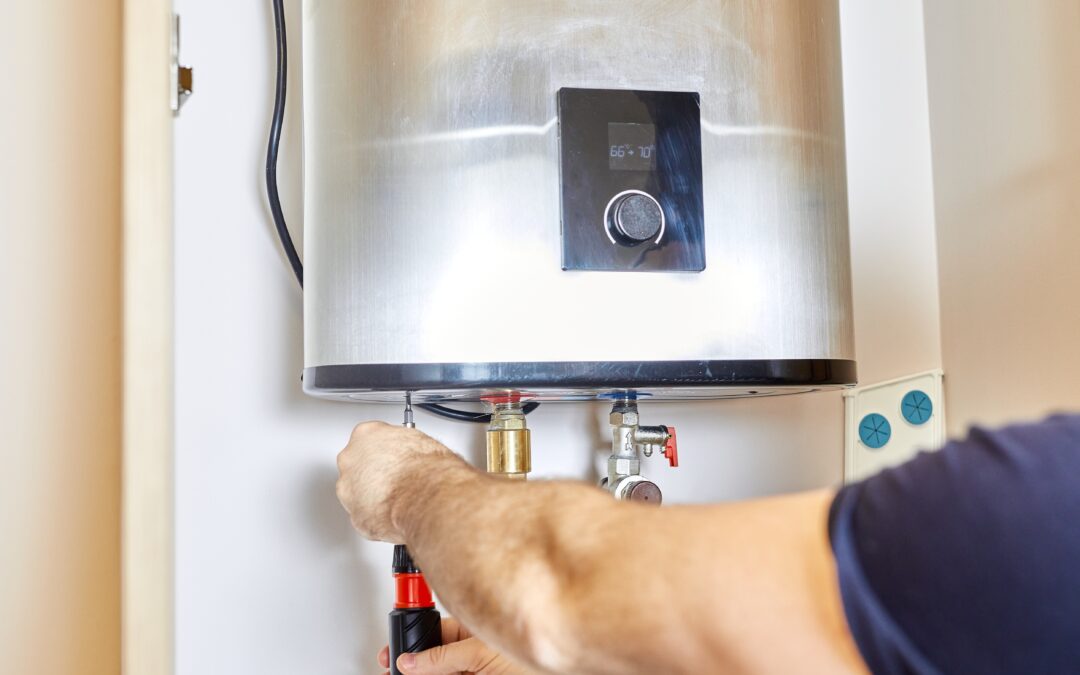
623 466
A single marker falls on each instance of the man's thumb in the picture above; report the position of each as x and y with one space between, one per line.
466 655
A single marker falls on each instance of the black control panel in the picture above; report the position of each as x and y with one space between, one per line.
630 171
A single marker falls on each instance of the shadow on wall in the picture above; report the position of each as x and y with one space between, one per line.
355 575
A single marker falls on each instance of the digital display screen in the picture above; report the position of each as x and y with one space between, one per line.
631 147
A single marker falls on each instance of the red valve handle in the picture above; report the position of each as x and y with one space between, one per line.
671 448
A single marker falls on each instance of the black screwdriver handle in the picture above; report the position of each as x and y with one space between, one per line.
413 630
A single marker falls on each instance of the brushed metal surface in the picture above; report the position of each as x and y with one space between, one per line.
432 182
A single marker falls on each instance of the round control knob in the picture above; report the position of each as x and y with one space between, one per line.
634 217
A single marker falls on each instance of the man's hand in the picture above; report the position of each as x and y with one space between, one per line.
375 469
460 653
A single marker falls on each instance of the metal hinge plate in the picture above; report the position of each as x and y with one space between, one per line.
181 75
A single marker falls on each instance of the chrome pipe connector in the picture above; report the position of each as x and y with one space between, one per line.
629 440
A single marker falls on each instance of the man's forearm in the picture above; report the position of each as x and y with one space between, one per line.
565 579
504 556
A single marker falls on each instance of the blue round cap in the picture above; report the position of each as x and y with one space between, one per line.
916 407
875 431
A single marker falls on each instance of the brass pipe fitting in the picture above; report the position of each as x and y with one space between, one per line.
509 451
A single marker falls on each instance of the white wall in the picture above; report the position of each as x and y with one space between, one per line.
270 579
1005 112
60 338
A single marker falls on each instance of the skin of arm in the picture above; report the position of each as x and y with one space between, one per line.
562 578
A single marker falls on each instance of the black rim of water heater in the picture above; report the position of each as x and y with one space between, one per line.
590 375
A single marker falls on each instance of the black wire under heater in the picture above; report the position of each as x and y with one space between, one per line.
273 146
466 416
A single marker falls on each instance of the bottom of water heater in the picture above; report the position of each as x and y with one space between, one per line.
578 380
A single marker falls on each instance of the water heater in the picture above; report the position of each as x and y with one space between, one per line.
574 198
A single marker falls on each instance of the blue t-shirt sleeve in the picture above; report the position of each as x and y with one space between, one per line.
967 560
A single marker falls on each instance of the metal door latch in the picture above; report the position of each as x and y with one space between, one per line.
181 75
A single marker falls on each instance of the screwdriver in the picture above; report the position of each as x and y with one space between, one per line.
415 624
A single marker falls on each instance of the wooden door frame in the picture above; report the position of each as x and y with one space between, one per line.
147 493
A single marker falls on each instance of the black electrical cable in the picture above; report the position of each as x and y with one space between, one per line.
466 416
274 143
276 122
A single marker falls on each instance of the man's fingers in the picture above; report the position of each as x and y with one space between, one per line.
453 631
364 428
466 655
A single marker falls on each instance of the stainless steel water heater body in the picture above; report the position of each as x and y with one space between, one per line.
573 197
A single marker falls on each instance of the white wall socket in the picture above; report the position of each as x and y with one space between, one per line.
888 423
